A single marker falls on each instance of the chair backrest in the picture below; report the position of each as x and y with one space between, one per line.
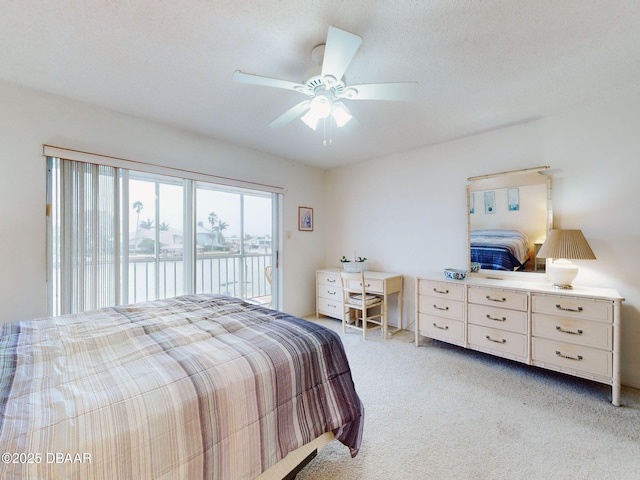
353 283
267 273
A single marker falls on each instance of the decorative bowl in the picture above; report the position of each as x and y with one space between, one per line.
455 273
475 266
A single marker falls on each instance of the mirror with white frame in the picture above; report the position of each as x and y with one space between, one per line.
508 217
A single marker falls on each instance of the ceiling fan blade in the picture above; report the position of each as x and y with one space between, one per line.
339 50
401 91
250 78
291 114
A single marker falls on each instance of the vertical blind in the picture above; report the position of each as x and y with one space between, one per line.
85 237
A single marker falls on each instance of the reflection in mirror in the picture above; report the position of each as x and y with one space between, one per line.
509 215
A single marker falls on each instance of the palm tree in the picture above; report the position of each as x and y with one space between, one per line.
137 206
164 226
221 226
147 224
213 218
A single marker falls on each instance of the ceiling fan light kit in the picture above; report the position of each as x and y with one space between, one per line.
340 114
325 84
323 106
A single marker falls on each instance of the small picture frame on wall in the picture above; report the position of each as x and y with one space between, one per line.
513 198
490 202
305 219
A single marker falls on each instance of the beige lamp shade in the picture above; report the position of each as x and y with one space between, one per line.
563 246
569 244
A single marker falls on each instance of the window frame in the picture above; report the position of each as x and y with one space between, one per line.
128 169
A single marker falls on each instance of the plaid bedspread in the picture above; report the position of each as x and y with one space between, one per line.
195 387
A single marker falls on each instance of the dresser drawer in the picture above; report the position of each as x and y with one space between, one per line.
599 310
331 308
500 318
569 358
498 342
499 298
442 289
580 332
332 292
442 307
440 328
328 278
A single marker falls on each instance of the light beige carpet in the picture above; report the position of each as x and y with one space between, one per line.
443 412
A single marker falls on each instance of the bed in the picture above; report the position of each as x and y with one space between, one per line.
197 386
499 249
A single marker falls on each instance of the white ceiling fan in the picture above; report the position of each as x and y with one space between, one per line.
325 85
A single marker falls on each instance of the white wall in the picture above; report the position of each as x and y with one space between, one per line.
30 119
407 212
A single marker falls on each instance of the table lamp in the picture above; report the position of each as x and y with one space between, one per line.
563 246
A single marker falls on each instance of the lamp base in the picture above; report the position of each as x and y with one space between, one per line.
561 273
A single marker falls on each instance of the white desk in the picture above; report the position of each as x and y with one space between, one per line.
329 292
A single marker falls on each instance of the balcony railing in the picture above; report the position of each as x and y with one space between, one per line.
236 275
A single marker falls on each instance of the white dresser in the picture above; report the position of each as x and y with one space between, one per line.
329 294
441 311
573 331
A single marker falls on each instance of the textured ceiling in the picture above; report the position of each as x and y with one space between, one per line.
480 64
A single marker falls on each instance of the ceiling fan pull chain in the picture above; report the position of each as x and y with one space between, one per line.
324 132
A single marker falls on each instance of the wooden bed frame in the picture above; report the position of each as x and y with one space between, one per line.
292 464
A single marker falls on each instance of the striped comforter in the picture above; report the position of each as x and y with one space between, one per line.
194 387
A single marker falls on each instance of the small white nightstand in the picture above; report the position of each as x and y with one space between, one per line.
539 262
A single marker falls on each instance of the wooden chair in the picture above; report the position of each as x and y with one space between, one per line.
265 300
358 304
267 274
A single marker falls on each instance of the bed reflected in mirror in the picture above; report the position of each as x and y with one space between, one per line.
509 215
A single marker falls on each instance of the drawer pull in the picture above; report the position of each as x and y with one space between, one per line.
497 341
560 329
331 281
441 308
501 299
444 292
446 327
568 357
366 286
503 319
577 310
331 293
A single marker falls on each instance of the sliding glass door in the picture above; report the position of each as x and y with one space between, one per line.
140 236
156 243
234 243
